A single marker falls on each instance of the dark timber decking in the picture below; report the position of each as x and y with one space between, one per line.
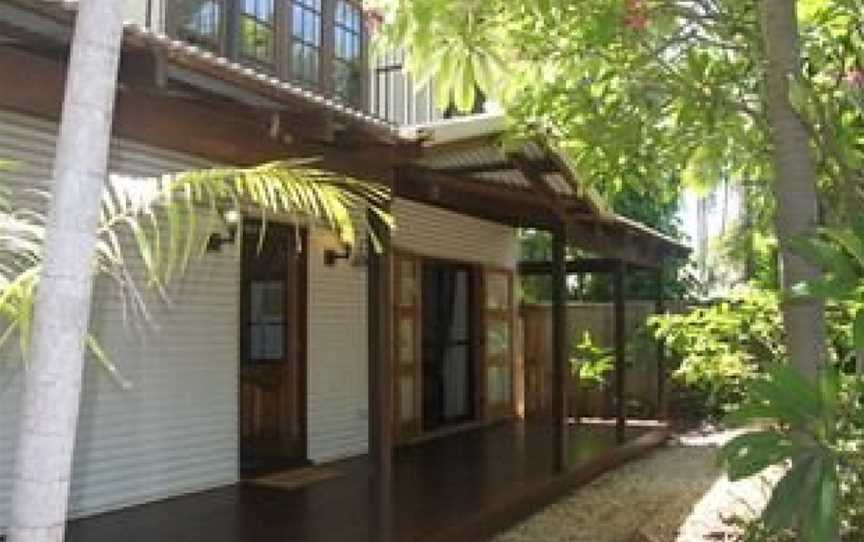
461 487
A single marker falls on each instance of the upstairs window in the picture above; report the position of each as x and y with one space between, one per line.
306 40
201 22
348 53
316 43
257 32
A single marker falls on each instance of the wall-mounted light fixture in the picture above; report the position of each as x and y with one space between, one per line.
331 256
231 220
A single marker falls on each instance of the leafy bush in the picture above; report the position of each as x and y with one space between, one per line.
815 430
590 361
722 346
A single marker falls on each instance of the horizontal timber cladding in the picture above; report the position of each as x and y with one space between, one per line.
438 233
338 385
175 429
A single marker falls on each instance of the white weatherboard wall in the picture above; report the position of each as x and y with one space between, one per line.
431 231
338 382
338 359
175 430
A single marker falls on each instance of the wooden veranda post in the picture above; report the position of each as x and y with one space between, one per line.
380 285
660 308
560 345
620 351
381 393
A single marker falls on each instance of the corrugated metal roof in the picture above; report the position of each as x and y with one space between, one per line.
178 51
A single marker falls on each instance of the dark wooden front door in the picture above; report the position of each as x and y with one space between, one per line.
272 357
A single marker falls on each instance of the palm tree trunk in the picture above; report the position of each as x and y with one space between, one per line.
795 184
52 380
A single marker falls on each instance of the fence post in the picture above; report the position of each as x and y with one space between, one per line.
662 404
560 344
620 351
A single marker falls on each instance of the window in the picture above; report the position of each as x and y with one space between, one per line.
267 322
498 318
305 40
272 287
348 66
316 43
257 31
200 22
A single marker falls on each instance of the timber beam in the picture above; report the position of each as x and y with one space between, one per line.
513 207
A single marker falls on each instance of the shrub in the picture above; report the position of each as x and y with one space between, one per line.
722 346
590 361
816 431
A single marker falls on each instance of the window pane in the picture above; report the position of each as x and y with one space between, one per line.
406 398
407 284
406 348
297 20
347 49
256 30
498 381
305 39
347 78
266 320
498 338
200 20
497 291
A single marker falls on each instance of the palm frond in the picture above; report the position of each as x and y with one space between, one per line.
165 223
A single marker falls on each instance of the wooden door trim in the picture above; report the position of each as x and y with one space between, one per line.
477 350
297 295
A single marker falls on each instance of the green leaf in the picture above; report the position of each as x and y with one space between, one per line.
820 520
790 494
751 453
858 330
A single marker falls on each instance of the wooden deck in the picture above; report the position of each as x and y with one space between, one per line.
462 487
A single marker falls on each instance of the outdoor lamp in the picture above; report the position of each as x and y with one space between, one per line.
331 255
231 219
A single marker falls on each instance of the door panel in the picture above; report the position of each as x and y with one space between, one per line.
498 323
272 365
407 343
448 392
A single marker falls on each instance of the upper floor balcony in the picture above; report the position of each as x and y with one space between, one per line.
322 45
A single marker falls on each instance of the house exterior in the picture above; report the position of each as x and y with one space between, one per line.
277 358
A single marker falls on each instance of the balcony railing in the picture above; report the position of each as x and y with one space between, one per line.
395 96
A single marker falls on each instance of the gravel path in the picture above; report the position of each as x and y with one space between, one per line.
677 494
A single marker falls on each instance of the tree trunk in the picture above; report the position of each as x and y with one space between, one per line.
52 379
702 237
750 230
795 184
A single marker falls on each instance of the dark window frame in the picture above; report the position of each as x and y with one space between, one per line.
309 10
241 15
319 32
349 29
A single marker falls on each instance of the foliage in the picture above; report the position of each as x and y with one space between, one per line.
590 361
839 253
651 97
723 345
169 220
814 429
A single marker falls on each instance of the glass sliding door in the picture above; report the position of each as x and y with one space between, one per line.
498 341
407 340
448 383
